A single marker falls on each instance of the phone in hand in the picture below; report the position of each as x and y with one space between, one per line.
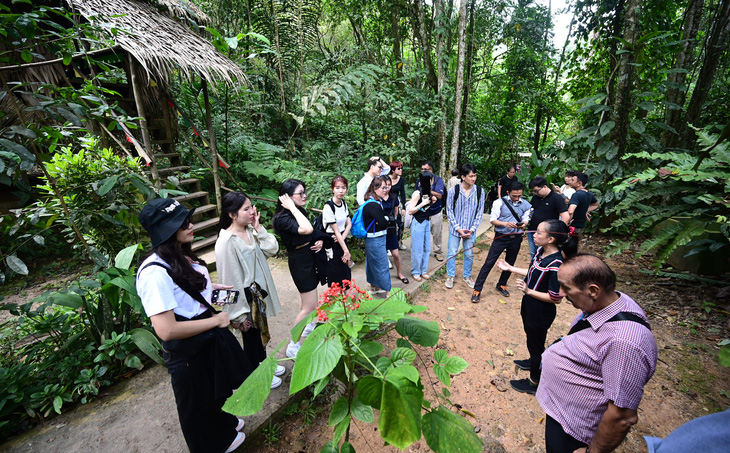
224 296
520 224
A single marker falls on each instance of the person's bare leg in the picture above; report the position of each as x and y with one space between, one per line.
307 304
396 260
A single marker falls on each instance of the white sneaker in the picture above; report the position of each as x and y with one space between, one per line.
469 282
280 370
275 382
449 282
308 329
241 424
402 246
389 253
390 265
293 349
240 437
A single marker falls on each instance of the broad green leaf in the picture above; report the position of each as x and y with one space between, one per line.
404 355
418 308
347 448
447 432
607 127
440 355
455 365
296 332
316 358
98 257
442 374
107 185
404 372
648 106
370 391
18 149
17 265
341 428
403 343
147 343
67 58
57 403
251 395
232 42
339 411
70 300
132 361
361 411
125 256
424 333
351 328
638 126
370 348
321 384
329 447
400 416
383 364
23 131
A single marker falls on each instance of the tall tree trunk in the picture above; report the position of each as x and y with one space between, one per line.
468 67
278 54
556 81
543 82
398 57
440 22
426 45
716 45
677 91
613 59
622 104
454 157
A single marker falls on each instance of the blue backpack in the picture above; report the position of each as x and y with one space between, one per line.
358 226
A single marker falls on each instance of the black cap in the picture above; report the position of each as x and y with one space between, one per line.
162 218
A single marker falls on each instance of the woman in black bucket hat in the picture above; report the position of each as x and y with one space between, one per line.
204 359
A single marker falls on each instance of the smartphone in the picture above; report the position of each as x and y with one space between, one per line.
224 296
520 224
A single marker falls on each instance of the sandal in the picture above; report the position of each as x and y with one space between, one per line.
404 280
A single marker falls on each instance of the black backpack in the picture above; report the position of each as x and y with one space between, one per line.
318 225
456 196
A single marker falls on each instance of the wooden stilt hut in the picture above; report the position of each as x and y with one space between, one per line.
152 40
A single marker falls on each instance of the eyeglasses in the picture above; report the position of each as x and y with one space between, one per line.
301 194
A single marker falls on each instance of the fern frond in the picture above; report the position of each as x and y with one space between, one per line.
689 230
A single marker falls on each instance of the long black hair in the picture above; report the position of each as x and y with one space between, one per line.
376 183
287 187
567 244
176 256
231 203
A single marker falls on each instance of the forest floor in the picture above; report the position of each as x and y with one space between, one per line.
687 319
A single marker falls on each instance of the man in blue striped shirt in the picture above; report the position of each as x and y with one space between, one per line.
465 209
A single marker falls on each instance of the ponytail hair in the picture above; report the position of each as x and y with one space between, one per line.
566 243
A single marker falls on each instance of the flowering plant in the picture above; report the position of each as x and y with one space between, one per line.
344 347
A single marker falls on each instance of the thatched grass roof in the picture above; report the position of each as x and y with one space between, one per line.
161 44
183 8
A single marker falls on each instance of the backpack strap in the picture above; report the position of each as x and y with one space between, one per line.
506 202
185 286
620 316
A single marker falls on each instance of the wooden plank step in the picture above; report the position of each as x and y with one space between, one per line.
167 171
191 196
197 245
189 181
205 208
167 155
205 224
162 142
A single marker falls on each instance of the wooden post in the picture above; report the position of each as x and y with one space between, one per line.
137 88
213 151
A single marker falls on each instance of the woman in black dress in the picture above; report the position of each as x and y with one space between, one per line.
297 234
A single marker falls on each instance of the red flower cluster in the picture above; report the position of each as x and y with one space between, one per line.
348 294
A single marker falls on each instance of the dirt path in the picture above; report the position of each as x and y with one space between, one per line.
688 382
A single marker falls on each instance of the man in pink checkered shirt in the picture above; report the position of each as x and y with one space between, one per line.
593 380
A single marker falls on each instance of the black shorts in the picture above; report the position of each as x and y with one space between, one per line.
301 267
391 242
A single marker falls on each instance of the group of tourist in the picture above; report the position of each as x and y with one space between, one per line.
590 399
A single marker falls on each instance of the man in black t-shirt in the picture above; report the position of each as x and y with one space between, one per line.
581 203
506 181
546 205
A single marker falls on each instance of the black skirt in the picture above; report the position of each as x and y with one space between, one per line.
336 269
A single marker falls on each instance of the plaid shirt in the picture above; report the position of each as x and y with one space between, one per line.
469 210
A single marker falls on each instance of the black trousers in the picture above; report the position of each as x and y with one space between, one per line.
206 428
557 440
336 269
537 317
509 243
253 346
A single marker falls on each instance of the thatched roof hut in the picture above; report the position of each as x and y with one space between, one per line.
158 42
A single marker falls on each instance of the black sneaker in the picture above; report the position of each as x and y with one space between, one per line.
475 297
503 290
524 386
523 364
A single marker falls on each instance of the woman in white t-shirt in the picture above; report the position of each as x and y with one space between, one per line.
204 359
336 217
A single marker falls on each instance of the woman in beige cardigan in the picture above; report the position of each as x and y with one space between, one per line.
241 250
